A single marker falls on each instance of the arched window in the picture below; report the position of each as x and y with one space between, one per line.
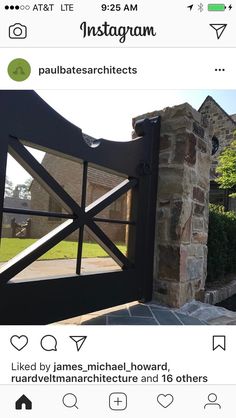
215 145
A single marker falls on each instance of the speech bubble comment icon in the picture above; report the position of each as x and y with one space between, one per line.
49 343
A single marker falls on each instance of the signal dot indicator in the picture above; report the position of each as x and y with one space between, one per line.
12 7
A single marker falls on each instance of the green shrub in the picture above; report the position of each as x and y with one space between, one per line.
221 243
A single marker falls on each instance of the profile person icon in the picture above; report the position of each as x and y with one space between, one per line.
212 398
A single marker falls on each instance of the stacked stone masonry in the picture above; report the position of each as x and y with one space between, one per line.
182 206
220 124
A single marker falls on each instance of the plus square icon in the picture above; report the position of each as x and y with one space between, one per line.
118 401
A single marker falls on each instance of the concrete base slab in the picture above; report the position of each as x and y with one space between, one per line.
53 268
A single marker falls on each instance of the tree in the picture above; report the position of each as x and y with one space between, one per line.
226 168
22 191
8 188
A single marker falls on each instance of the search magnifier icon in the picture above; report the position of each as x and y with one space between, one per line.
69 400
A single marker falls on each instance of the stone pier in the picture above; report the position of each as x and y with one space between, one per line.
182 207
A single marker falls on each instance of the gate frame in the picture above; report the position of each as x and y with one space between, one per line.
41 301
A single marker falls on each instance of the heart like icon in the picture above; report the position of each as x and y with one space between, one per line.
19 342
165 400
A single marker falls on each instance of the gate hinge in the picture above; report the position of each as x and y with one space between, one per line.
144 169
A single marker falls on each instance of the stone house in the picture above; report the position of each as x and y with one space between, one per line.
223 127
69 175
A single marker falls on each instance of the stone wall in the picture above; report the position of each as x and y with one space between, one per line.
222 126
182 207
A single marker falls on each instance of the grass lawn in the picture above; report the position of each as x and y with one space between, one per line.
65 250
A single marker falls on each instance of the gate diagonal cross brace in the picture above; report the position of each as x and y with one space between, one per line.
83 217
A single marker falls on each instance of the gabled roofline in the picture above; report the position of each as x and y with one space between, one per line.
217 104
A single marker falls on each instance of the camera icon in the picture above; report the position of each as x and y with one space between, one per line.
17 31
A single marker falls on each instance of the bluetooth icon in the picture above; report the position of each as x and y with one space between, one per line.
200 7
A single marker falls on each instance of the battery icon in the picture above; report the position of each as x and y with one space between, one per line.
216 7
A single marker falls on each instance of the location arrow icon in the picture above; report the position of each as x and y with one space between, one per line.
219 28
79 341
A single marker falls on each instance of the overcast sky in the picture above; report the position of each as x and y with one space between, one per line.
108 114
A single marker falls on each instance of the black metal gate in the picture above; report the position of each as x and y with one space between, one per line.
27 120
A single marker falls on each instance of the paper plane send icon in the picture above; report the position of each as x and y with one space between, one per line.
219 28
79 341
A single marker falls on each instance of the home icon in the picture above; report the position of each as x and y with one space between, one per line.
23 403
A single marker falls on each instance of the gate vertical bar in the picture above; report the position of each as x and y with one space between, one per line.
83 205
143 206
152 185
3 166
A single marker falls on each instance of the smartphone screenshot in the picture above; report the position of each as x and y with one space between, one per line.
117 208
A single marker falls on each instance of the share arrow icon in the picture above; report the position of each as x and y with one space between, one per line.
219 28
79 341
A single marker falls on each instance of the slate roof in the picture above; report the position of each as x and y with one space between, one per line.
232 118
